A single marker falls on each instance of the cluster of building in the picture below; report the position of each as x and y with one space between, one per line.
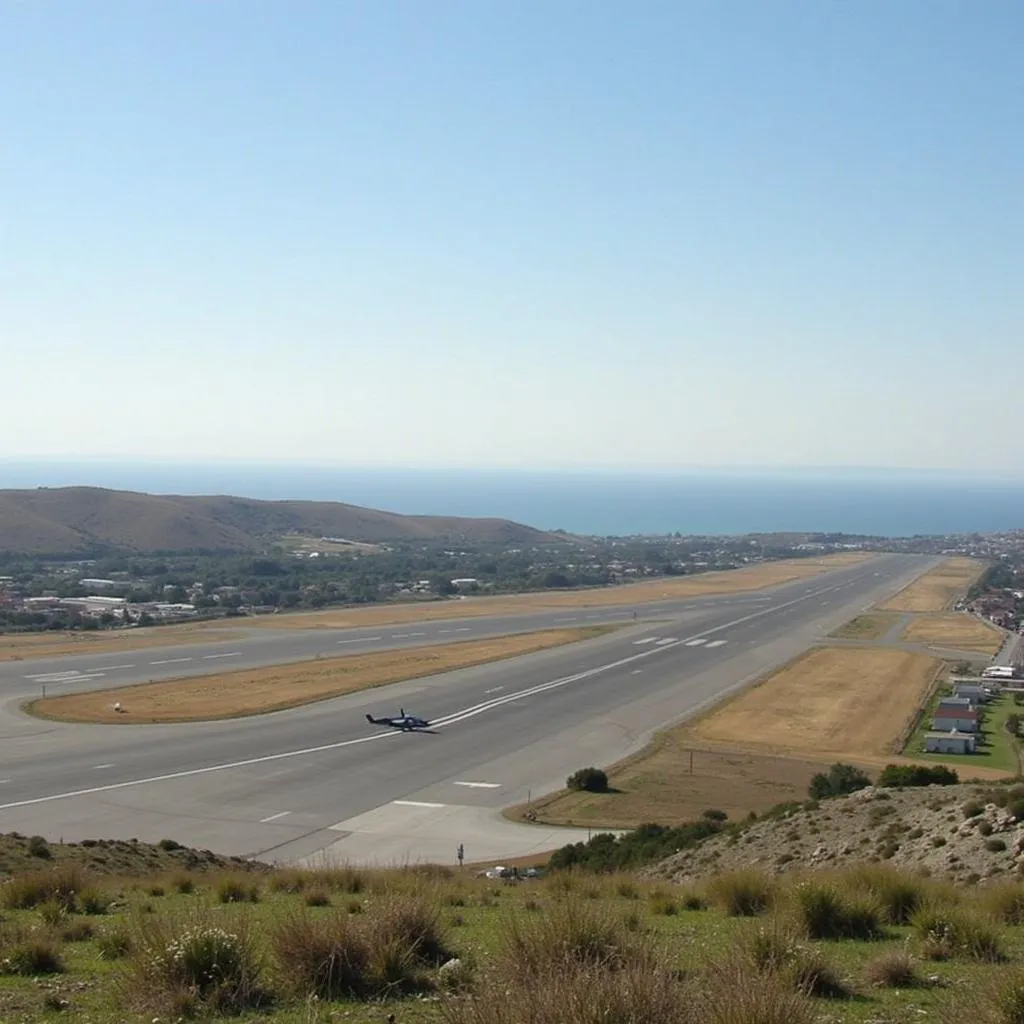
957 718
104 597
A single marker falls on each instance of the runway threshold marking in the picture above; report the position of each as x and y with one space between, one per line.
274 817
646 640
697 642
717 643
452 719
664 641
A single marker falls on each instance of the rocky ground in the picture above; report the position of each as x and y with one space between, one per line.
112 856
968 833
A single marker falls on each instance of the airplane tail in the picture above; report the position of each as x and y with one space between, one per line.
371 720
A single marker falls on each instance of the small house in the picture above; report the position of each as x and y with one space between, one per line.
955 704
955 721
973 691
950 743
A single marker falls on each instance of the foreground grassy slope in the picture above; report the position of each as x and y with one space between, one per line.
284 946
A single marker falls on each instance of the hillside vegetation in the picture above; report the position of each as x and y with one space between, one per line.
443 946
70 520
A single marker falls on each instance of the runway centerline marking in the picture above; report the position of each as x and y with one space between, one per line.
274 817
479 785
97 767
231 654
697 642
170 661
415 803
112 668
452 719
646 640
717 643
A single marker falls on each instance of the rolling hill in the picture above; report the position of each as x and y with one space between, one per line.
80 520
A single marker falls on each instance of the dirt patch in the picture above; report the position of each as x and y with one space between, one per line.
961 632
830 702
734 581
256 691
938 590
18 646
675 781
867 627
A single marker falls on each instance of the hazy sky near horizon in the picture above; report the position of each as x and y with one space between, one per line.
464 233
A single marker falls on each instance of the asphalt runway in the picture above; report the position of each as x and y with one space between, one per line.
319 781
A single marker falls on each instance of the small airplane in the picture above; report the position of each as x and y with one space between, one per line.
400 721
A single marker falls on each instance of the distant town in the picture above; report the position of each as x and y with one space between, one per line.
123 591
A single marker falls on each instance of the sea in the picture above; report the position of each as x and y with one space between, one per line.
711 502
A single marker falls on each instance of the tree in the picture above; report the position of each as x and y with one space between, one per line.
896 776
837 781
593 780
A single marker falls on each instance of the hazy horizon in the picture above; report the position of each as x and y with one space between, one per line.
509 235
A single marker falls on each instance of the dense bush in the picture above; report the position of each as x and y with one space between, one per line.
591 779
837 781
901 775
644 845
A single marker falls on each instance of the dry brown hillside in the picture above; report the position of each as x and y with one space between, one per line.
68 520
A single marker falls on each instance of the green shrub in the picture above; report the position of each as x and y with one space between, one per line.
825 912
894 969
973 808
896 894
62 883
169 844
995 845
742 893
114 943
593 780
38 847
237 889
325 957
837 781
32 954
572 935
196 965
1004 903
946 933
900 775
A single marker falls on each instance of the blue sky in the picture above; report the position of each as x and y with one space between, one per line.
513 234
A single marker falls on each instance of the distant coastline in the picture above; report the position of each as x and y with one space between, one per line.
713 502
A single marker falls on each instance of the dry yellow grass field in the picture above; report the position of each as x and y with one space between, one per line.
256 691
832 702
961 632
937 590
734 581
659 785
18 646
867 627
